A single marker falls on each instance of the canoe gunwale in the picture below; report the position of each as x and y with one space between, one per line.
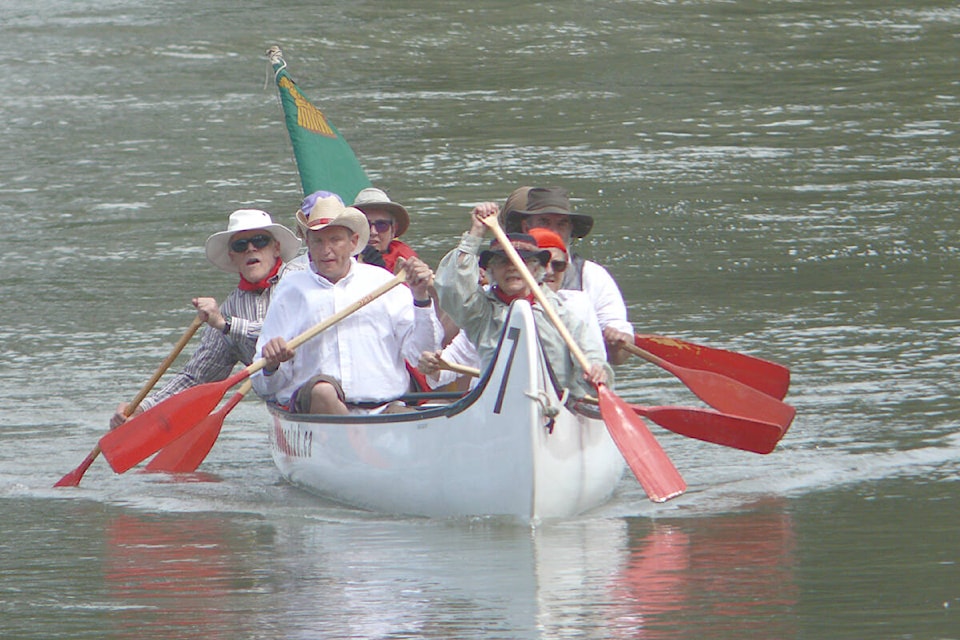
461 402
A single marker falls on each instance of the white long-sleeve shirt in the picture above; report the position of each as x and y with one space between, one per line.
459 351
364 351
607 300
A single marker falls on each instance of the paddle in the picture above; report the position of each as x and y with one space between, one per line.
712 426
769 377
459 368
703 424
725 394
187 452
643 454
141 436
73 478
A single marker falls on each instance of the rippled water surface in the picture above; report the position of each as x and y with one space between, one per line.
777 178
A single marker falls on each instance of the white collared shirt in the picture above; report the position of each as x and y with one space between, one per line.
364 351
607 300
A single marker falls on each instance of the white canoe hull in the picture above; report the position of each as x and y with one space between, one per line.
508 448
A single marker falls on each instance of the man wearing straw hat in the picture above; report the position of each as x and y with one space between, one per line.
260 252
358 364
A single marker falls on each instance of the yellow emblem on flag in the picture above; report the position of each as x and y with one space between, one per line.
308 116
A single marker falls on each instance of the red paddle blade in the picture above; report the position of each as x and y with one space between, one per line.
729 396
714 427
768 377
644 455
185 454
140 437
188 452
73 478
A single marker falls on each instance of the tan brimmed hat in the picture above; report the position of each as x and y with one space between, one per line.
326 209
373 198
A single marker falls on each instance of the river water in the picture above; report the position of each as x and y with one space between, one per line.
778 178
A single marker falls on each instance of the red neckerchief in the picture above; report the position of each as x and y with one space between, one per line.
505 299
246 285
397 249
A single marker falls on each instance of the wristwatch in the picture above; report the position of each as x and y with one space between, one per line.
227 320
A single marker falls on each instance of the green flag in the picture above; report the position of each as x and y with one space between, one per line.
324 159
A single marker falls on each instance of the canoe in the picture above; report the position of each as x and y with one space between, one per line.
509 447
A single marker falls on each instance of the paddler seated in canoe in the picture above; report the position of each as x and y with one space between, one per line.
260 252
481 312
578 301
461 351
357 365
549 208
388 221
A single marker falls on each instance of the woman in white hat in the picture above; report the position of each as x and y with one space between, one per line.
259 251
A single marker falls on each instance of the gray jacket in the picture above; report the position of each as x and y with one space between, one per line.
481 315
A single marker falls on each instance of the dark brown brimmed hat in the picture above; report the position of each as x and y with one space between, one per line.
531 201
526 246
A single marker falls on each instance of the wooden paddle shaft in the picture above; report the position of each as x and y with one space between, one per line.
646 355
575 350
177 348
459 368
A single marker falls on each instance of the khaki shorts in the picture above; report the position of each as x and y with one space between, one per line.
300 402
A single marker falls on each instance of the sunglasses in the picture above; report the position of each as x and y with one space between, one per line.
258 242
381 226
558 266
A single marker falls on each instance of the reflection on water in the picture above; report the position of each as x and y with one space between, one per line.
205 576
173 576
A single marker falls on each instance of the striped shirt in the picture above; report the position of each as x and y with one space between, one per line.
219 353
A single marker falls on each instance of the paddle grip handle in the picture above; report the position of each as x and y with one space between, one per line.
459 368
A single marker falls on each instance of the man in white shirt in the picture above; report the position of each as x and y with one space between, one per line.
577 300
549 208
361 359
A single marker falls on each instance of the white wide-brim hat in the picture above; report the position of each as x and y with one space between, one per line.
218 245
327 210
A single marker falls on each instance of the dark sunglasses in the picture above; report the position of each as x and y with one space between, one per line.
558 266
258 242
381 226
